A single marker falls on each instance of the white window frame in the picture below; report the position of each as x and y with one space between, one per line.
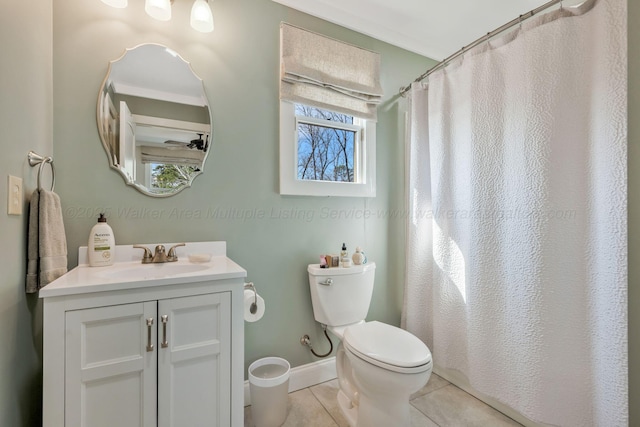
364 160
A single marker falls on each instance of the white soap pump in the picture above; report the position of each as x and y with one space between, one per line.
102 244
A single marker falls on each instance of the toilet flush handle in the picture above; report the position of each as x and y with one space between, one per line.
327 282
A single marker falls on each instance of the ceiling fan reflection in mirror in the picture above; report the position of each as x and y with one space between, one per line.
198 143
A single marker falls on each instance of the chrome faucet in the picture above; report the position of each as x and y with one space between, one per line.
159 255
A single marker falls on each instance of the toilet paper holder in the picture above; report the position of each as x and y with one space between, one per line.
254 306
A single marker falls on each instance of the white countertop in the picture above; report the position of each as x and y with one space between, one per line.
126 273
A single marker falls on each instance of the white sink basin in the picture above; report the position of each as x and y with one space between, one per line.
151 271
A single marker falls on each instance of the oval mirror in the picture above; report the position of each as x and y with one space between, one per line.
154 120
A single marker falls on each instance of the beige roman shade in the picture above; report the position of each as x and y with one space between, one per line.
178 156
326 73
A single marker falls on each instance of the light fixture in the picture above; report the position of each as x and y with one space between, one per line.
201 16
158 9
116 3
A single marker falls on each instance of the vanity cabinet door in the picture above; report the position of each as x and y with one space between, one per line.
194 361
163 363
110 377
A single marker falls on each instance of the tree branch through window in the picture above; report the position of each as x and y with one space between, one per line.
325 153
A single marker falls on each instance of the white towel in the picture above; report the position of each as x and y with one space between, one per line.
47 244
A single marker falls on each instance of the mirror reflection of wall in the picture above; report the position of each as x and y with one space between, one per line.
154 120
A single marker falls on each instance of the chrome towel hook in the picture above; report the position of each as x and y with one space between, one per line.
36 159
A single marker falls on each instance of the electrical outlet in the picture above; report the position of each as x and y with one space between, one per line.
14 196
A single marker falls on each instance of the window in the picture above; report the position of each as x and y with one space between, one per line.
329 94
328 144
165 178
325 153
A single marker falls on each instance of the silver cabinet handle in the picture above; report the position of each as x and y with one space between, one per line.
149 325
327 282
164 343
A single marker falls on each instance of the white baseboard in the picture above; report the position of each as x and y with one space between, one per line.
304 376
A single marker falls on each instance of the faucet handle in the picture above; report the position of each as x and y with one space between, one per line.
172 256
147 257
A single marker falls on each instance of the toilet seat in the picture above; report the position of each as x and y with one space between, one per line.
388 347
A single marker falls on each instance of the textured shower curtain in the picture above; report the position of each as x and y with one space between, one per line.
517 236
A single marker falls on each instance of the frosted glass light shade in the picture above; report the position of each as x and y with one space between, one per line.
116 3
201 16
158 9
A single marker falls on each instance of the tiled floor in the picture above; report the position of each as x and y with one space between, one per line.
439 403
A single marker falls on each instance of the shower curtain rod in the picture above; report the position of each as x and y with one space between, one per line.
443 63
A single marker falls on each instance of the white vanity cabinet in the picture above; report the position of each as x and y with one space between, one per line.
154 352
143 363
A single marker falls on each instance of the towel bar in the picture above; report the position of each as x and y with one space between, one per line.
36 159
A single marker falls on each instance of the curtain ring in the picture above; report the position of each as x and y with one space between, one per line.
487 37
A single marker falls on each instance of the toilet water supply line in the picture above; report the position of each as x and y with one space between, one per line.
305 340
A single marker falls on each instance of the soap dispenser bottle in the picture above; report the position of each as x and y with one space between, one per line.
102 244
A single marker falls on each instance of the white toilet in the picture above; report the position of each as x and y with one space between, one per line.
379 366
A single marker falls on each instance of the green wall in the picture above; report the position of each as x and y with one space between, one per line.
26 123
633 23
239 63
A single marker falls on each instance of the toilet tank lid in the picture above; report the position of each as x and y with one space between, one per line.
338 271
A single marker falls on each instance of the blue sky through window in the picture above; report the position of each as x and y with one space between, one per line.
325 149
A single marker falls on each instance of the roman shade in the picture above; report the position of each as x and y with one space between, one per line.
326 73
177 156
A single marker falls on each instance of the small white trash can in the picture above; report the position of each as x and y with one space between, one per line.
269 390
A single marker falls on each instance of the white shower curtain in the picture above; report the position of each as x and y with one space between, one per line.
517 239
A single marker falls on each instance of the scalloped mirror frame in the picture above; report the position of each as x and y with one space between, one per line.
181 85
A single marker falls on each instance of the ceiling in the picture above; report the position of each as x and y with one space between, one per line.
432 28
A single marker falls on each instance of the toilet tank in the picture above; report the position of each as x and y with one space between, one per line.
341 296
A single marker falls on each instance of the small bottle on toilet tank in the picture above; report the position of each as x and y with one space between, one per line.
345 261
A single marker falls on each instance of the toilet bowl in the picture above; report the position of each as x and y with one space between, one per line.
378 365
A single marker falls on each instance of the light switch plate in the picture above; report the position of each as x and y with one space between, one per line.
14 196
